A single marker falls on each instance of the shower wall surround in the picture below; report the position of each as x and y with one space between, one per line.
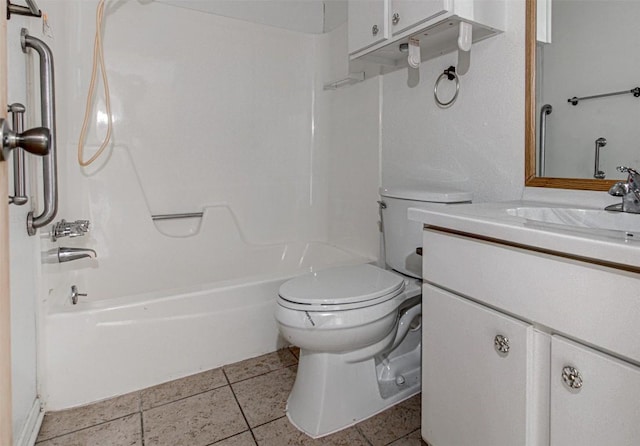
214 114
210 111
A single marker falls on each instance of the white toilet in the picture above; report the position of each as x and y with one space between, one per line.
358 327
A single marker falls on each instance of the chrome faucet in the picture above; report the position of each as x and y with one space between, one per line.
61 255
629 191
69 229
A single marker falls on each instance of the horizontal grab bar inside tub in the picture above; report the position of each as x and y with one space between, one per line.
176 216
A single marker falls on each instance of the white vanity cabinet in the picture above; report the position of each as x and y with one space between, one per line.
571 376
595 398
476 373
376 28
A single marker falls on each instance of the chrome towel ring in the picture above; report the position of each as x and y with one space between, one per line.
450 74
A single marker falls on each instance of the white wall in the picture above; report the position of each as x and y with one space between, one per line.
479 141
594 51
353 145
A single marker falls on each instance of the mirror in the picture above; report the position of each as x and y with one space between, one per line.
575 65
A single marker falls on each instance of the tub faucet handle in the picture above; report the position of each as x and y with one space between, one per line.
75 294
69 229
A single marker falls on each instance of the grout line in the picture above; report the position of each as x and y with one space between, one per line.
142 439
226 438
267 422
87 427
357 427
241 409
184 397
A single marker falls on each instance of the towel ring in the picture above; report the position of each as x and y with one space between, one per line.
450 74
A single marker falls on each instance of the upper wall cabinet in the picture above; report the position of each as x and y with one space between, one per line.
377 28
406 14
368 23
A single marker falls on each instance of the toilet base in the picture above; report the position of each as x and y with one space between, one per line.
331 393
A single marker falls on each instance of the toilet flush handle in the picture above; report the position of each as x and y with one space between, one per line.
419 250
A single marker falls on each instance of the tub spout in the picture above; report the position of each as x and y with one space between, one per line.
61 254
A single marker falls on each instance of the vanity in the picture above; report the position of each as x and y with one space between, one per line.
530 333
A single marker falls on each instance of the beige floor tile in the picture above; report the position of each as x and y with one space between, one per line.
413 439
243 439
260 365
295 351
66 421
264 397
121 432
282 433
394 423
182 388
195 421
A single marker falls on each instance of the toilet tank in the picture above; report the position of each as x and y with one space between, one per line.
402 236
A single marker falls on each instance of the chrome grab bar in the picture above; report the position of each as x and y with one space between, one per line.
19 181
545 110
634 91
176 216
30 10
597 173
47 111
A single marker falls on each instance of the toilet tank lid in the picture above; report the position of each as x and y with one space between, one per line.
429 193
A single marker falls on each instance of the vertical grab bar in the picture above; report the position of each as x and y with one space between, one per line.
19 182
47 111
545 110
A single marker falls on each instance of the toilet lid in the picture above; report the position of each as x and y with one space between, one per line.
343 285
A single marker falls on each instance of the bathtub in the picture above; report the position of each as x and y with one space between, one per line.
139 327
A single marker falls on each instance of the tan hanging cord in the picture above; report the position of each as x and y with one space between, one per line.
98 59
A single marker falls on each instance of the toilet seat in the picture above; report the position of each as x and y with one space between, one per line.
344 288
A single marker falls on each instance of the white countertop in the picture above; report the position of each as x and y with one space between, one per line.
494 221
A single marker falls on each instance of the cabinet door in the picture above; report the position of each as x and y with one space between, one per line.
408 13
471 393
368 23
605 410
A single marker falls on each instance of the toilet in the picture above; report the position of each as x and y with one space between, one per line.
359 327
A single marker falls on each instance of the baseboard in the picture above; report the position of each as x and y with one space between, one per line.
32 426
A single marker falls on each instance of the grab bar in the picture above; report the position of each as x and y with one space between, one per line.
545 110
176 216
30 10
634 91
19 181
47 111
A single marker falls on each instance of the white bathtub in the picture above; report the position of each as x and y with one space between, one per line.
114 341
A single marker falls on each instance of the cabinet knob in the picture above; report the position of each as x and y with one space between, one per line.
572 377
395 18
501 343
374 30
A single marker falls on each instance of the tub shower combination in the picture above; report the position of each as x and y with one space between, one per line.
170 311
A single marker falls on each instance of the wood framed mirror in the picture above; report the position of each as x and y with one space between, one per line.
531 180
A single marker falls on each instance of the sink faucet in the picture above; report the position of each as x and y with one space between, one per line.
629 191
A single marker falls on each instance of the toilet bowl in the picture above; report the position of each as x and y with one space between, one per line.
358 327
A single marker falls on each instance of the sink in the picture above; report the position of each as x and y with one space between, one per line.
588 232
580 218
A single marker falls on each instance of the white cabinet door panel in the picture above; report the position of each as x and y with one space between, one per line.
605 410
368 23
413 12
473 395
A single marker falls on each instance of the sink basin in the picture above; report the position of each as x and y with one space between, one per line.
581 218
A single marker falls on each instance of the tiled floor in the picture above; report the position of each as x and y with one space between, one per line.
240 404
